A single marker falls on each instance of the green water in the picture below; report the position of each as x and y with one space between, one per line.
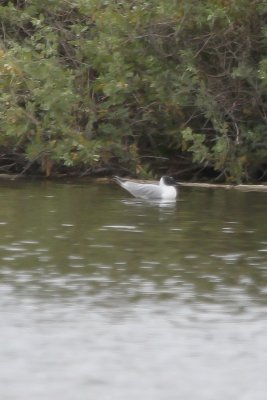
107 297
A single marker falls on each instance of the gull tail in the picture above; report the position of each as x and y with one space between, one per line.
118 180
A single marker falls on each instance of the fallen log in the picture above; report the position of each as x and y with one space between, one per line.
262 188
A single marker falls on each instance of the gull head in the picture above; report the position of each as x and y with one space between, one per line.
167 181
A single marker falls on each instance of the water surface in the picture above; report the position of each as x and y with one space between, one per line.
108 297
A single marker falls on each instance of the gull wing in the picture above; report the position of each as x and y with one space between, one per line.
142 190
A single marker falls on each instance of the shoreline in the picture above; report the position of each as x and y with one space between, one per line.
242 187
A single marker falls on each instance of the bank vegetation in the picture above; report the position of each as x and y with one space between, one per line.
139 87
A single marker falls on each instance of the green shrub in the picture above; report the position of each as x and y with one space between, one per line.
94 84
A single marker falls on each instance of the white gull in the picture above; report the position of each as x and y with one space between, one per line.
164 190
